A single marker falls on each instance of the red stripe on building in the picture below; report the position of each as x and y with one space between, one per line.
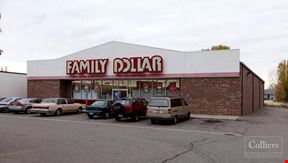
133 76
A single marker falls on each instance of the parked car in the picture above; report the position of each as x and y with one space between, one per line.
100 108
5 103
129 108
2 98
56 106
167 108
24 105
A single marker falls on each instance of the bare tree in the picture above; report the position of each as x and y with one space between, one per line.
272 79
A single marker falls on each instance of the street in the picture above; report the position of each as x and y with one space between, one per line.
75 138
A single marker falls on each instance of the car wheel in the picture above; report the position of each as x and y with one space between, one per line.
152 121
107 115
188 116
175 120
42 114
118 119
27 111
79 110
135 117
58 112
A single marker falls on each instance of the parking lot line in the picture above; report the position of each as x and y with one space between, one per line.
126 126
17 152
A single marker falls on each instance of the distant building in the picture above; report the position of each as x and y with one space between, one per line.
269 94
13 84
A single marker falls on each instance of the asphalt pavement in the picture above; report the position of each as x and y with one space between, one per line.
75 138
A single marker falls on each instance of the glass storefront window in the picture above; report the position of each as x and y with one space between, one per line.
173 88
159 88
76 89
86 89
96 89
121 84
121 89
105 89
107 86
146 89
135 88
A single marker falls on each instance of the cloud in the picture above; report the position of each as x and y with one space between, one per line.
50 29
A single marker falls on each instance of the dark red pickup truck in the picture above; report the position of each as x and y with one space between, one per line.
132 108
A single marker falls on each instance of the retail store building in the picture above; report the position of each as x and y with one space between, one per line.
13 84
212 82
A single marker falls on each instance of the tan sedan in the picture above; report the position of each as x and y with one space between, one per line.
56 106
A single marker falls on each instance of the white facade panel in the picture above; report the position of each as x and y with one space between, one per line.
174 62
13 85
217 61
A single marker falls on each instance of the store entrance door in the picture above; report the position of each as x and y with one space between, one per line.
119 93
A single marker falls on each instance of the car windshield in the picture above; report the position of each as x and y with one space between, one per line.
24 100
49 100
99 103
124 101
6 100
158 103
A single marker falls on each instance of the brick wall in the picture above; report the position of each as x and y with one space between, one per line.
43 88
247 90
49 88
66 88
253 89
256 94
261 95
217 96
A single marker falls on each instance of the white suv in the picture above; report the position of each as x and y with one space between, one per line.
167 108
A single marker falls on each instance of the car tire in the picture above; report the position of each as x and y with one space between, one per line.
79 110
58 112
43 114
188 116
135 117
175 120
152 121
27 111
106 115
118 119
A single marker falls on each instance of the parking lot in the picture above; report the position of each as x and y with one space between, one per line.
75 138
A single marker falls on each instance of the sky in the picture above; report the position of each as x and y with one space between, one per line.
50 29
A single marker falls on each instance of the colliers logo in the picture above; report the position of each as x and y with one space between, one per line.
263 146
152 64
